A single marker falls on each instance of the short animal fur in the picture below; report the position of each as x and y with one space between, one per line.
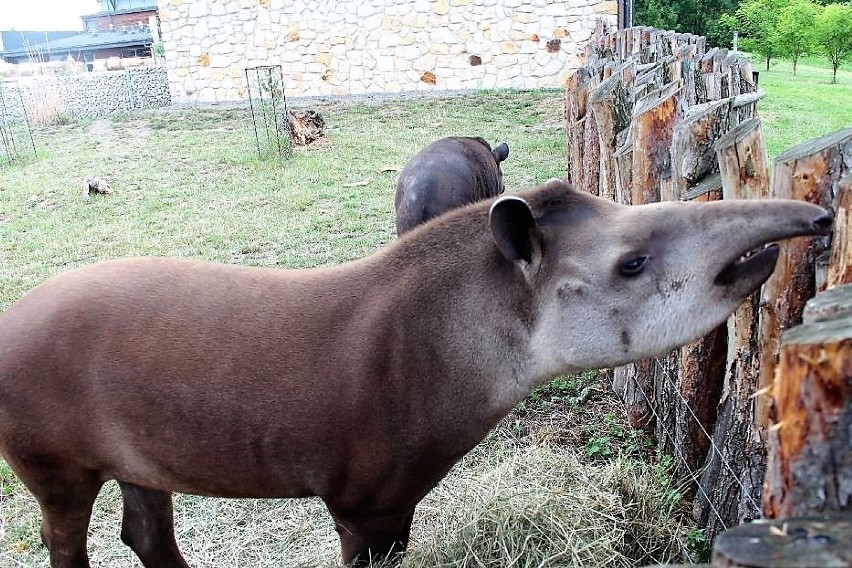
447 174
361 383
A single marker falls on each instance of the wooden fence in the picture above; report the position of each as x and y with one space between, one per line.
655 115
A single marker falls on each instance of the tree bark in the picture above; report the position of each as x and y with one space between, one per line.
808 172
734 470
840 263
611 108
809 470
654 118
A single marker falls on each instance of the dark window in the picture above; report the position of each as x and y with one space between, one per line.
136 52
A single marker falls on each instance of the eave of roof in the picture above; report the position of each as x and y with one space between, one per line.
152 8
89 40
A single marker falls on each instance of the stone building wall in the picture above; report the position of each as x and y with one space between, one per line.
328 47
90 94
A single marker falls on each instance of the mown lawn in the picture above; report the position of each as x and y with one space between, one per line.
805 106
560 479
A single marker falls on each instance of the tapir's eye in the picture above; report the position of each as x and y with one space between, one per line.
633 266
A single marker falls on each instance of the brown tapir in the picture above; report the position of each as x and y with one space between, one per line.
361 383
447 174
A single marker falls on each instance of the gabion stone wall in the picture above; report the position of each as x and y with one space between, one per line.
374 45
92 95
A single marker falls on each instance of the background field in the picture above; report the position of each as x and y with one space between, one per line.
560 483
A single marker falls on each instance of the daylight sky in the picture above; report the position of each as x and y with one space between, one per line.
41 15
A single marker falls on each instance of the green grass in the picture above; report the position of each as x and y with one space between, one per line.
805 106
188 183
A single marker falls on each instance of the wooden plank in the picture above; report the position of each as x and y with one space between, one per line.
743 162
708 189
611 108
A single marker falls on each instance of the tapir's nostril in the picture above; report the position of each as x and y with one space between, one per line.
823 223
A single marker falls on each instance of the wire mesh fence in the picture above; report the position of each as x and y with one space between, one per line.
269 110
16 137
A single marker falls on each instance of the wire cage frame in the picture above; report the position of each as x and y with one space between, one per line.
265 88
16 135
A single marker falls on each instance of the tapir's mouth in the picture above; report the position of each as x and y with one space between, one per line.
753 266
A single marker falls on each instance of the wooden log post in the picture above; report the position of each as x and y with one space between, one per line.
810 442
693 143
654 118
840 263
611 108
808 172
733 479
575 111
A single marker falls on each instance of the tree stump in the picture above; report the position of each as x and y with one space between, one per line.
818 542
810 443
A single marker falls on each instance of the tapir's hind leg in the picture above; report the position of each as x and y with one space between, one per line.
371 538
148 527
65 495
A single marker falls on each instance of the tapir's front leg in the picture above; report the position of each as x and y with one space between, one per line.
371 537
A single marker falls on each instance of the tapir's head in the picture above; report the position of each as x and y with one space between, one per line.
614 283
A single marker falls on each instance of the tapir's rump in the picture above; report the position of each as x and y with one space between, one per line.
447 174
361 383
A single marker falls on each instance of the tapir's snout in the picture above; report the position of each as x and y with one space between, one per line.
823 224
753 251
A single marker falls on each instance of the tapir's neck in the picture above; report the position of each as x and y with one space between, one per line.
473 314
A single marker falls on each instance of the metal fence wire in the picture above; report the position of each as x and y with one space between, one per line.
269 110
16 136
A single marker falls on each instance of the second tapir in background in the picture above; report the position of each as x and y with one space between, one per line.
446 174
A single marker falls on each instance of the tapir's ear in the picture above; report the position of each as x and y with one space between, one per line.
500 152
514 229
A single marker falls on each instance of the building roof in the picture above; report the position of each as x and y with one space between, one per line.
88 40
18 41
151 8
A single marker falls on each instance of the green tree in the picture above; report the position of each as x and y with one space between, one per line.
699 17
794 32
833 34
758 20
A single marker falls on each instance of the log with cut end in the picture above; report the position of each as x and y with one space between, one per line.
816 542
737 472
809 469
808 172
654 118
611 108
693 143
743 162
